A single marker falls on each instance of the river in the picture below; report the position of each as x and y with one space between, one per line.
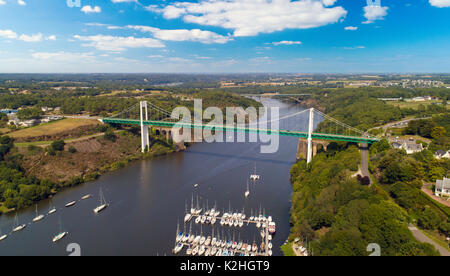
147 199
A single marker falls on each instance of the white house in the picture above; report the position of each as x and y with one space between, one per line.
442 187
442 154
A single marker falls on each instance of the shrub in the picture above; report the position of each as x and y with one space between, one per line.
429 219
58 145
72 149
109 135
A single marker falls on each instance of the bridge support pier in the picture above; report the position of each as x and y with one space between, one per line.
145 140
302 148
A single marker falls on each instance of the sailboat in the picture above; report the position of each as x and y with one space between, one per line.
193 210
247 192
188 216
61 233
38 217
254 176
52 208
102 205
2 237
17 226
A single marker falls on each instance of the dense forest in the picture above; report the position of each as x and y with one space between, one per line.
340 216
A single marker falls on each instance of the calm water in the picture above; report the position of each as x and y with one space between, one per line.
148 198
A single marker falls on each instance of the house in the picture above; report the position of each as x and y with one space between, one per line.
442 187
408 145
412 148
442 154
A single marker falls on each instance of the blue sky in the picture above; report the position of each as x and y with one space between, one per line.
305 36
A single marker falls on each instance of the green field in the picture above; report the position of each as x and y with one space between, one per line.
52 128
414 105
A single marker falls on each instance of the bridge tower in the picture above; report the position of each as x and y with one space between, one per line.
310 131
145 140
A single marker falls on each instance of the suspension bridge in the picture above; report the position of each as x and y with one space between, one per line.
321 132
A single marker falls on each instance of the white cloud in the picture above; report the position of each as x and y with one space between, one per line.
8 34
251 17
2 2
440 3
373 13
285 42
196 35
63 56
117 43
27 38
88 9
155 56
31 38
351 28
21 2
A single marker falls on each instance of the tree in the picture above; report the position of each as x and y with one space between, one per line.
429 219
438 132
58 145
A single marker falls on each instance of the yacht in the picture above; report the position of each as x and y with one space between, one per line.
86 197
70 204
178 248
254 247
247 192
61 234
254 176
272 228
213 251
38 217
2 237
208 252
18 227
208 241
189 251
102 205
201 250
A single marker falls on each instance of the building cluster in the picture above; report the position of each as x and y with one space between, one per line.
14 120
411 83
410 146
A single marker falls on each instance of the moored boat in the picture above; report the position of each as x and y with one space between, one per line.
70 204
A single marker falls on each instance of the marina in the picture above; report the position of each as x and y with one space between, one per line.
214 245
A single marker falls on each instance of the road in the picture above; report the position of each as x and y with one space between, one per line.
421 237
364 148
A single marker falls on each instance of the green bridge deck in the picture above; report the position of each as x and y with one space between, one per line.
298 134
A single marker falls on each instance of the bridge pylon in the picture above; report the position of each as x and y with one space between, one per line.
310 132
145 140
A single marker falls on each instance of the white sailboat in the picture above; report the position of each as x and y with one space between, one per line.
247 192
38 217
102 205
18 227
254 176
188 216
2 237
61 234
70 204
52 208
